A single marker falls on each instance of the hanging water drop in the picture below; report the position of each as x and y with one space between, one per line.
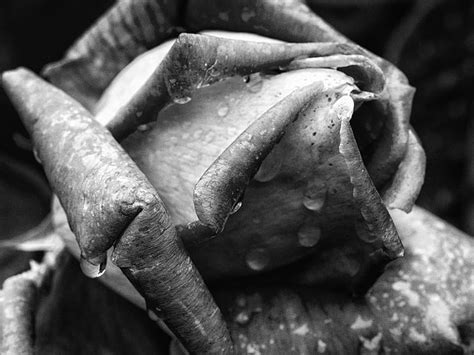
257 259
152 315
36 155
181 100
309 235
91 270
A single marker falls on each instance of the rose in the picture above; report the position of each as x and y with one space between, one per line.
373 220
179 124
287 215
327 95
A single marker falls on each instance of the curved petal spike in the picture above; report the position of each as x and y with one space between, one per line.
109 200
222 185
404 188
374 215
390 147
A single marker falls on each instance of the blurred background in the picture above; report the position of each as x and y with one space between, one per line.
432 41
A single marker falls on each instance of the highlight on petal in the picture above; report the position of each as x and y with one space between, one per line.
402 191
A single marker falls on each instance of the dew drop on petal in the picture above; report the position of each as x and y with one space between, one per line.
257 259
91 270
315 196
242 318
269 168
181 100
246 79
247 14
223 110
237 207
143 127
214 72
255 84
348 266
309 235
152 315
363 231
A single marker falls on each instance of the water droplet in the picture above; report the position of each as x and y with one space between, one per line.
256 220
269 168
92 270
36 155
143 127
242 318
214 72
247 14
363 231
257 259
309 235
181 100
246 79
209 137
237 207
255 84
223 110
348 265
315 196
152 315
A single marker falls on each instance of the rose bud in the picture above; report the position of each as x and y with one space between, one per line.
270 163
